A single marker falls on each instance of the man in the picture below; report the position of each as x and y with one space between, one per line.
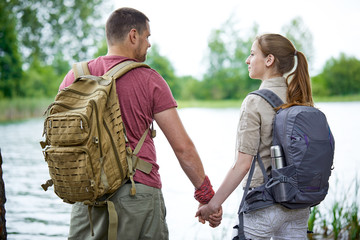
144 96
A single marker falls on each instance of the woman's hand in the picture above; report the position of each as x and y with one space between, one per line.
211 214
215 219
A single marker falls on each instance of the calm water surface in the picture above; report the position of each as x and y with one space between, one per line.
35 214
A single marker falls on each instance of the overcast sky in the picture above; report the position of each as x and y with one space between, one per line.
182 28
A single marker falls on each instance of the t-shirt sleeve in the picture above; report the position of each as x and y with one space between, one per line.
248 133
161 94
69 79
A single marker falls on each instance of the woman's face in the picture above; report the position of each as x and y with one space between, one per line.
256 62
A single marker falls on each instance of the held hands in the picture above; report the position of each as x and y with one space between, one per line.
206 213
210 214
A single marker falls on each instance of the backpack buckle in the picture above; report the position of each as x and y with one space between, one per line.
283 179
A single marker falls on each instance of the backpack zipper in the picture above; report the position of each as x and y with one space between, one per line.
284 131
98 126
76 92
70 108
298 130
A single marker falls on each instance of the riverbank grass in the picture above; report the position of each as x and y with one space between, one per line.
341 220
24 108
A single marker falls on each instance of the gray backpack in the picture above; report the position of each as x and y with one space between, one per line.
303 140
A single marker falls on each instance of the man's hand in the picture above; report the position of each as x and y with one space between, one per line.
205 213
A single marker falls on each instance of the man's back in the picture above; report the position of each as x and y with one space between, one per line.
142 93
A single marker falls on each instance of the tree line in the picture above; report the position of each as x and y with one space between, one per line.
40 39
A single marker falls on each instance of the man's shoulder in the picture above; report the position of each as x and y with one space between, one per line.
102 64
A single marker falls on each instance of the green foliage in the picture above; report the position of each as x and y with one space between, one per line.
189 88
227 75
46 28
52 34
164 67
313 215
102 49
339 77
299 34
341 220
22 108
10 59
40 81
49 35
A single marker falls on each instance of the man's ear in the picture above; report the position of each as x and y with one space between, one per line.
133 35
270 59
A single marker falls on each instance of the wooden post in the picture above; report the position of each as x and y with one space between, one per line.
3 234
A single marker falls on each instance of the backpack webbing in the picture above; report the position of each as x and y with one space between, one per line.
81 72
269 96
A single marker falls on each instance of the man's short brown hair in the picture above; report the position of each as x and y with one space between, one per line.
122 21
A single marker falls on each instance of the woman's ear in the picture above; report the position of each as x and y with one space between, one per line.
270 59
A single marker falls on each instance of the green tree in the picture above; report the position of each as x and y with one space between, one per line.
49 34
164 67
227 75
10 59
46 28
190 88
41 80
300 35
102 49
335 79
180 87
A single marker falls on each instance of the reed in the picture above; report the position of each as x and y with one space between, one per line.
341 220
22 108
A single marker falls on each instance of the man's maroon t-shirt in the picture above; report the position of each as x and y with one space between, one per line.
142 93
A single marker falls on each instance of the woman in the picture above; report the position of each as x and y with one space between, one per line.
272 56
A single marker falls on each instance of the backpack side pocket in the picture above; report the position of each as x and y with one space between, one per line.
283 183
258 198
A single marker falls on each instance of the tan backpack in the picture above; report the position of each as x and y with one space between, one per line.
86 147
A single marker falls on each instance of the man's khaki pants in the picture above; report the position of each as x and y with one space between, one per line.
139 217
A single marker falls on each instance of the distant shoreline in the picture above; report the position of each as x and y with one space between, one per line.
24 108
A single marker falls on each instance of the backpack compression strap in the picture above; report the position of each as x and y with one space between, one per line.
268 95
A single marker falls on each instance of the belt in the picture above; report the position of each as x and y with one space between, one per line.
129 182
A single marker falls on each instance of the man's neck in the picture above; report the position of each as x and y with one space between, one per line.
119 51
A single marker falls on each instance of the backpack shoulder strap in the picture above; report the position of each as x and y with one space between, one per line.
80 69
133 160
123 67
240 226
273 99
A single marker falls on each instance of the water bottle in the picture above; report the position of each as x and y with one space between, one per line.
277 158
278 161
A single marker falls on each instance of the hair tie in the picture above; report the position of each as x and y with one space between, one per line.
295 53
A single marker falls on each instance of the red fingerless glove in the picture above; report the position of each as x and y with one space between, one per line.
204 194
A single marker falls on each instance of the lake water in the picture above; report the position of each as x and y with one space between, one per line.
32 213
